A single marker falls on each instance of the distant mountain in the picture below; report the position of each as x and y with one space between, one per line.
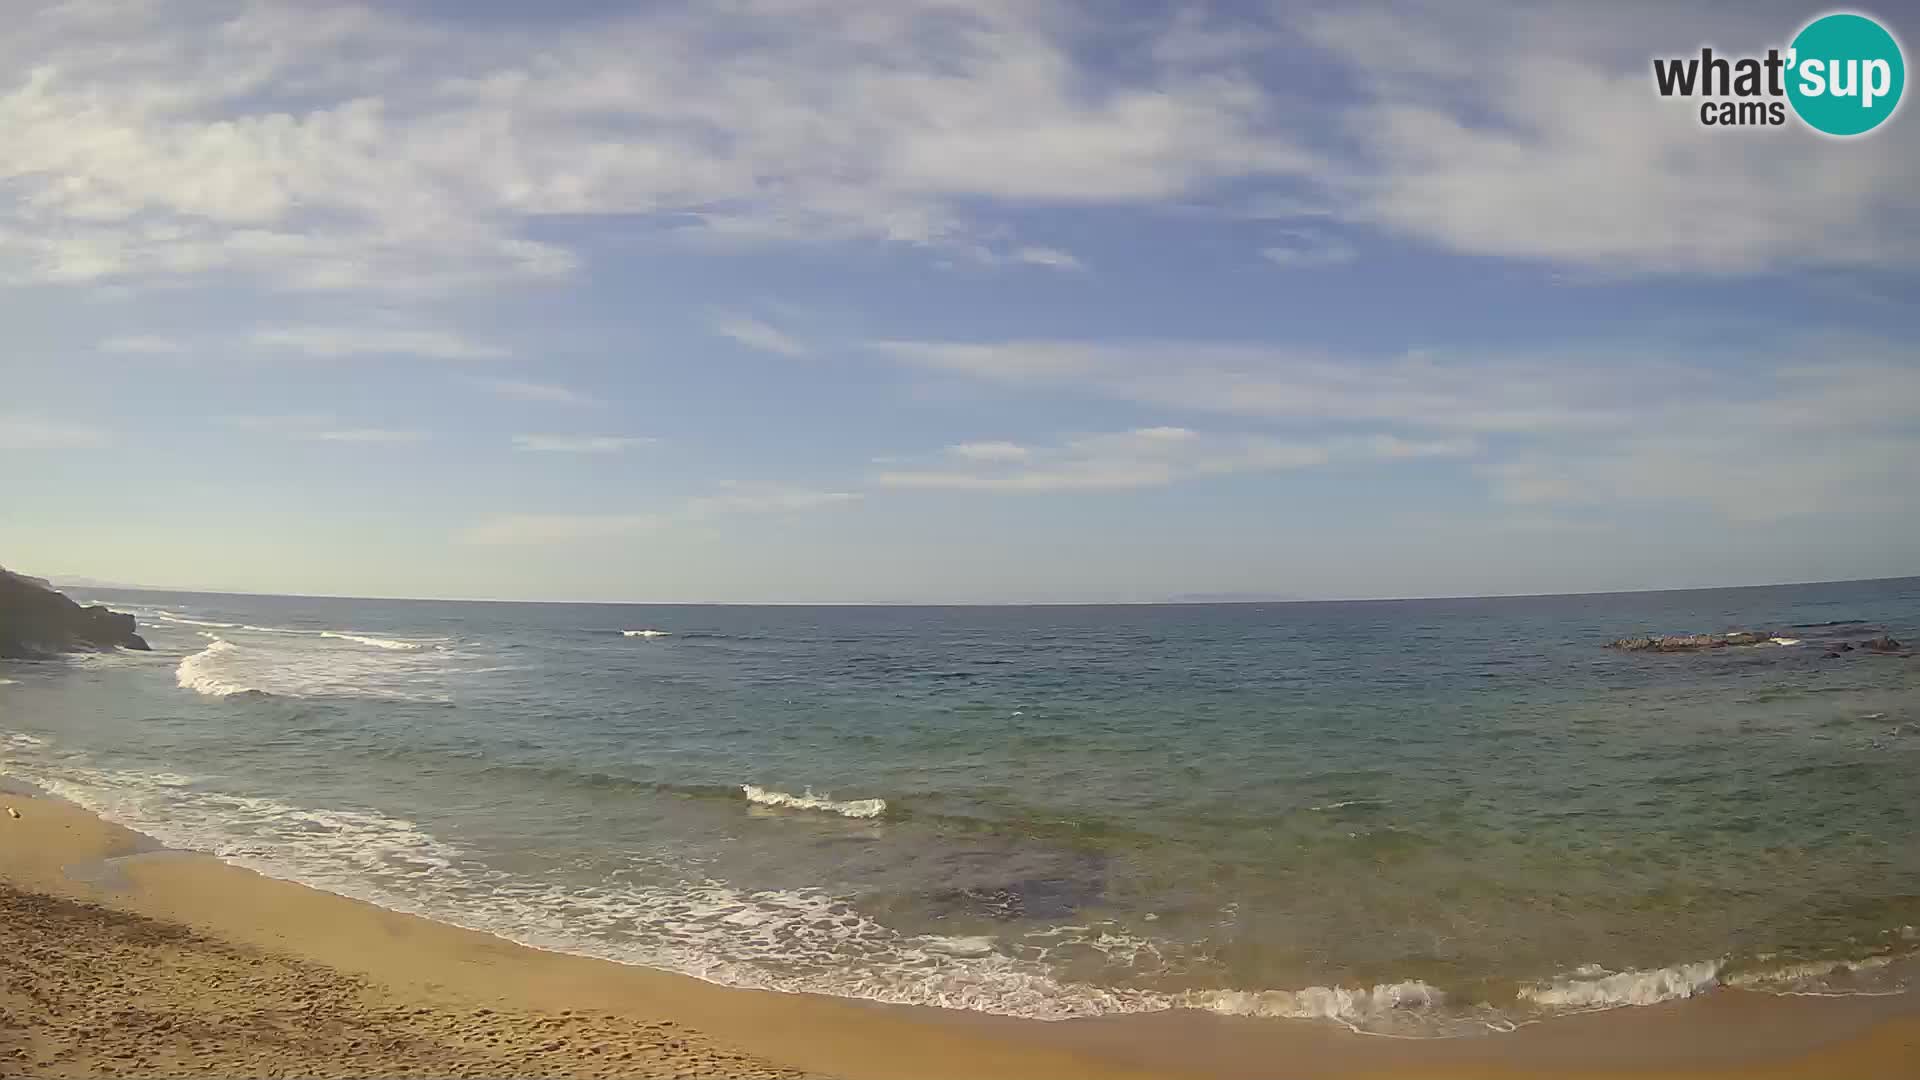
1235 598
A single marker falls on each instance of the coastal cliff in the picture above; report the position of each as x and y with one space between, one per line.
36 622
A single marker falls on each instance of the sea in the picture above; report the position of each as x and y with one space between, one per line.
1422 818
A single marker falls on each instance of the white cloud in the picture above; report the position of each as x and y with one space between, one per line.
755 334
519 529
324 427
1749 436
1116 461
1300 249
1564 152
1050 257
362 148
990 451
19 432
365 435
526 390
332 341
144 344
578 444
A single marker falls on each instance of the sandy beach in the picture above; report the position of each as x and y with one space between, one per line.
120 958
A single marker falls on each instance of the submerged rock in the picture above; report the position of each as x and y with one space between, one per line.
1689 642
37 622
1882 643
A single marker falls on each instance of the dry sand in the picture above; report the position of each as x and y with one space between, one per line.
119 959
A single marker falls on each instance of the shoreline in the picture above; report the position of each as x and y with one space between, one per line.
405 962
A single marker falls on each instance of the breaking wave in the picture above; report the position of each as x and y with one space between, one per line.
854 808
167 616
200 672
378 643
644 633
1594 987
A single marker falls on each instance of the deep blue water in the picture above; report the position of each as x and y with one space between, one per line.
1413 816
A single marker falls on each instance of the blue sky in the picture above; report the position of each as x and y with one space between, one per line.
791 300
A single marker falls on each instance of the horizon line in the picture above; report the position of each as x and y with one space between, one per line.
983 603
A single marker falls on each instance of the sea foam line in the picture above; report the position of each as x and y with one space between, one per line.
645 633
378 643
853 808
1594 988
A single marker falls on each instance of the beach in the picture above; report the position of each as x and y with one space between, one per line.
123 958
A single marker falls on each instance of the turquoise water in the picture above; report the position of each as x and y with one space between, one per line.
1416 817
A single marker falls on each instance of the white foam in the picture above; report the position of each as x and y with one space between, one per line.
1348 802
1785 640
378 643
200 672
1357 1008
853 808
9 682
167 616
1590 990
644 633
21 741
1818 978
957 946
306 667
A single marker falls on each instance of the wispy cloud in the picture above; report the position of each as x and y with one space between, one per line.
578 444
1753 438
324 427
338 341
19 432
142 344
523 529
755 334
1118 461
366 435
1300 249
1049 257
527 390
990 451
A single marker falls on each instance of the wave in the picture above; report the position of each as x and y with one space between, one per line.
1382 1009
1344 803
9 682
167 616
197 672
659 914
1785 640
378 643
1596 988
645 633
855 808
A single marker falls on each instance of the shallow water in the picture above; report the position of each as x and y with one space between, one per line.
1419 817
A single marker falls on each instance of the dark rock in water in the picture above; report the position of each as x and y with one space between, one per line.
1830 656
1842 647
1032 898
1688 642
1881 644
37 622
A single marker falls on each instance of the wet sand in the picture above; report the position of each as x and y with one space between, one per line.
117 958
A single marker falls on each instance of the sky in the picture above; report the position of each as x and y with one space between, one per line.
930 301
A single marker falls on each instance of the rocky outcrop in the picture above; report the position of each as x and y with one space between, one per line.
1689 642
36 622
1882 643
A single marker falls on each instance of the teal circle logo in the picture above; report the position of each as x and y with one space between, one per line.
1845 74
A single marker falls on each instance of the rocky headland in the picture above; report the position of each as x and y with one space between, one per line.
37 622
